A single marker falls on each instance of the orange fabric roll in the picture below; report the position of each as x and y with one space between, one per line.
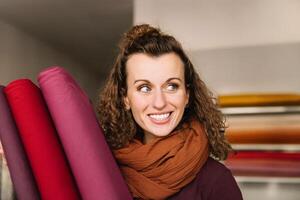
283 135
259 99
264 129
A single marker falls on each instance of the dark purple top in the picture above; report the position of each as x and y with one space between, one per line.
213 182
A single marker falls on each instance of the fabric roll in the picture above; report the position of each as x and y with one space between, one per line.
264 167
294 156
267 99
265 121
93 165
283 135
263 129
40 140
18 164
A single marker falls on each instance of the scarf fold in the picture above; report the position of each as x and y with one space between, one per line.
162 167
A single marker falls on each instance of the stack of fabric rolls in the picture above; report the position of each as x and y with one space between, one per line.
53 144
264 129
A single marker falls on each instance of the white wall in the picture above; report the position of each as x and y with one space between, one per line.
23 56
237 45
268 68
205 24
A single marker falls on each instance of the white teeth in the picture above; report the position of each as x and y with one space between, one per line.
160 117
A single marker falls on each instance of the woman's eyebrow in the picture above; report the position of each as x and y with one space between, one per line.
170 79
147 81
142 80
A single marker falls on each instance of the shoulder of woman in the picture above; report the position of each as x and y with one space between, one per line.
213 182
218 182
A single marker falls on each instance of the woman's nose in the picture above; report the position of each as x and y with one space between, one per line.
159 100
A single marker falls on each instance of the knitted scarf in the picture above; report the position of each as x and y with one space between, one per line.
163 166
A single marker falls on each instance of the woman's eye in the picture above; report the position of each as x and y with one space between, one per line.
144 89
172 87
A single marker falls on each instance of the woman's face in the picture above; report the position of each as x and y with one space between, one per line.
156 92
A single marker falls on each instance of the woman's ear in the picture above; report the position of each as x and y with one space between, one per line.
126 102
125 99
187 97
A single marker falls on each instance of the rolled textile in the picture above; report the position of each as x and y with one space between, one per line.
263 129
18 164
264 167
283 135
294 156
41 142
264 121
95 170
263 99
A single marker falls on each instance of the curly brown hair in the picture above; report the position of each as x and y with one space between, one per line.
118 123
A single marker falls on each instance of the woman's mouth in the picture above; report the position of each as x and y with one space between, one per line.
160 118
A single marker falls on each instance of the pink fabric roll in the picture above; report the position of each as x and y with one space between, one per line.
95 170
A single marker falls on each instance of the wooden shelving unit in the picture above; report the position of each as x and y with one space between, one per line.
285 121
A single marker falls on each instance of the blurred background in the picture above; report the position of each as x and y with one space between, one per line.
237 46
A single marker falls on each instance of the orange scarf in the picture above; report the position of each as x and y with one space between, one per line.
163 166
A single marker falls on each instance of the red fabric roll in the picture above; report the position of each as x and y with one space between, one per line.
40 140
264 155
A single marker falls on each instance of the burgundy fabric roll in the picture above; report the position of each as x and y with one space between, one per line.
18 165
264 167
295 156
40 141
95 170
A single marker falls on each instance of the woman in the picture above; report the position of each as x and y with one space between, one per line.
162 122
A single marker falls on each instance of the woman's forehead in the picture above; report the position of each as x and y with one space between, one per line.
143 66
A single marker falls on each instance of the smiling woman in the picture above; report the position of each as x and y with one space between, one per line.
156 93
162 123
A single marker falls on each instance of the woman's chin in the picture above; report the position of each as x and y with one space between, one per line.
159 131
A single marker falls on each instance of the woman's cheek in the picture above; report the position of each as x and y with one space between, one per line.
139 102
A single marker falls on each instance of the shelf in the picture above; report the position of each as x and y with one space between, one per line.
267 147
259 179
261 110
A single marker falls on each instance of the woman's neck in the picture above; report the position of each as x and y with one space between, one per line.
148 137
